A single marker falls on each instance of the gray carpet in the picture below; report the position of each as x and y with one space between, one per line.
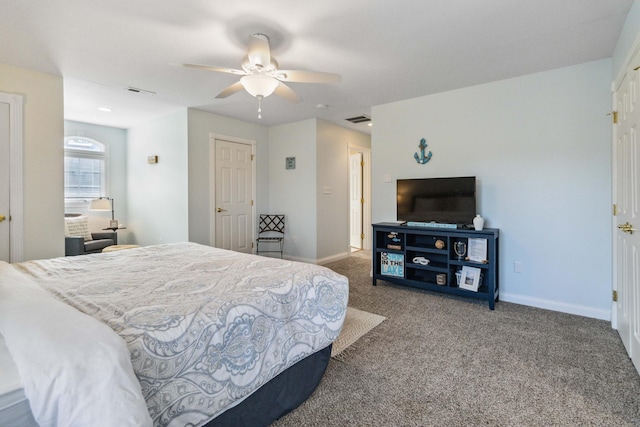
443 361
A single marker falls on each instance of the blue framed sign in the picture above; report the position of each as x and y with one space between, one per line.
391 264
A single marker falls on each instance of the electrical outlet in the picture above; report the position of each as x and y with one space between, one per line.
517 267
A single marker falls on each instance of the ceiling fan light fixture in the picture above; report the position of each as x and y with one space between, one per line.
259 85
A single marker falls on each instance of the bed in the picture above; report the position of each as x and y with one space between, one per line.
168 335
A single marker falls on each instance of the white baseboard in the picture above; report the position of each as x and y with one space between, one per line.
333 258
298 259
506 297
557 306
322 261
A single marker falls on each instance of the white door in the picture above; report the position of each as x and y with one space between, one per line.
233 196
5 252
355 200
627 204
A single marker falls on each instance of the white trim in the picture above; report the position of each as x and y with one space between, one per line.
615 85
556 306
366 193
212 189
333 258
366 189
16 184
212 179
614 184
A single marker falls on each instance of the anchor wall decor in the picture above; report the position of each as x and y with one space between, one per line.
422 159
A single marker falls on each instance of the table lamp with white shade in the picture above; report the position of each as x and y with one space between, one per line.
104 204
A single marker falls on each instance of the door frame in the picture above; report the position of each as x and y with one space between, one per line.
360 202
16 183
212 183
625 309
614 201
366 194
614 173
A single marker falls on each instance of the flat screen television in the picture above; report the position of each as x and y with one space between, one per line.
441 200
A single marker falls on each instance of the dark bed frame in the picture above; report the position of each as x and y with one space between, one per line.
279 396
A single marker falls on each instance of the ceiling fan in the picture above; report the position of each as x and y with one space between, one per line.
261 76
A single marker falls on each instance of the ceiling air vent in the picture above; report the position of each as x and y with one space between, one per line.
359 119
137 90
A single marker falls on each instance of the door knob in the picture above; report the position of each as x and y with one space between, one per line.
2 218
221 210
626 228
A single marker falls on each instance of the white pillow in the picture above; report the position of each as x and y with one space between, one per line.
75 370
77 226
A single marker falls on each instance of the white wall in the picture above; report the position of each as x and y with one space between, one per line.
317 222
332 188
158 193
201 126
293 191
628 35
116 141
539 146
43 159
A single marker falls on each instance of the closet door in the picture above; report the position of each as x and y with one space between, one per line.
355 200
5 167
11 180
233 185
627 205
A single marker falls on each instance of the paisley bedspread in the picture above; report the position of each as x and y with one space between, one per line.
205 327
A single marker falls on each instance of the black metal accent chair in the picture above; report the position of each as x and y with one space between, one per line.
270 231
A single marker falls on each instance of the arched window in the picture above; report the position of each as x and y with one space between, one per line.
85 168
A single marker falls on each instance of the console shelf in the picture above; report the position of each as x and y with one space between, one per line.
425 258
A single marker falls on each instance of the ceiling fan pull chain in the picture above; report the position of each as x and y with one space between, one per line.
259 107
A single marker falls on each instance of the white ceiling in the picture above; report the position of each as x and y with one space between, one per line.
385 50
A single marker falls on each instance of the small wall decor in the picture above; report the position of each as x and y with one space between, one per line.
422 158
470 279
152 160
291 163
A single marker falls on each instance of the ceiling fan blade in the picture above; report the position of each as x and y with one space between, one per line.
236 87
218 69
298 76
284 91
259 53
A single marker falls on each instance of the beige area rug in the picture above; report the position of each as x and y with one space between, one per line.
356 324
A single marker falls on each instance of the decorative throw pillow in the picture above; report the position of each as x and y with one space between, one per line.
77 226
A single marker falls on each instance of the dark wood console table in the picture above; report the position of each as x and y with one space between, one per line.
426 258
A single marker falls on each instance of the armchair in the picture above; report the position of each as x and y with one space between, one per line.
76 245
79 241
